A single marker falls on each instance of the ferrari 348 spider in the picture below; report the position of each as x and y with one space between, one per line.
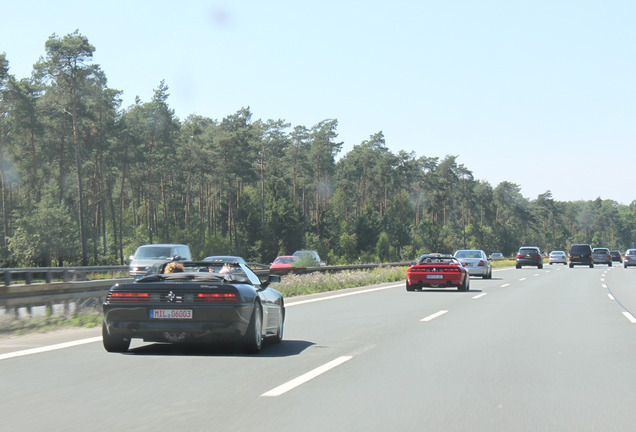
437 271
203 302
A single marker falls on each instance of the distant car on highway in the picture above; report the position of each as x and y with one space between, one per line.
629 259
475 261
149 258
558 257
225 259
437 271
496 256
616 256
308 258
581 254
601 255
283 263
529 256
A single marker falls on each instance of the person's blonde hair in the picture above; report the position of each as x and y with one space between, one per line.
174 267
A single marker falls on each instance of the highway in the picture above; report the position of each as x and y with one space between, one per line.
528 350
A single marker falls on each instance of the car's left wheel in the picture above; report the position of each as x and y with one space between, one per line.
410 287
114 343
254 335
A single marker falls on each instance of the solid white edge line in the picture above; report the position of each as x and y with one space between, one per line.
479 296
630 317
435 315
504 285
296 303
49 348
290 385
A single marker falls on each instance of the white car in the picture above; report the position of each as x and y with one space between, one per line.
558 257
475 261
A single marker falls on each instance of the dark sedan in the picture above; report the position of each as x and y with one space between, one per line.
202 303
437 271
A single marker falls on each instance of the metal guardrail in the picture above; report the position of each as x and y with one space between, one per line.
49 274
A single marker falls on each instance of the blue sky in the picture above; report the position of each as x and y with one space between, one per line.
539 93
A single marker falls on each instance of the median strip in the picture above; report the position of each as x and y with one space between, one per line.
290 385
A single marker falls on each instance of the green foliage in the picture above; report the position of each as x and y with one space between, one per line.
92 186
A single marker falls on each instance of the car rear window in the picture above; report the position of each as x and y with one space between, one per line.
528 250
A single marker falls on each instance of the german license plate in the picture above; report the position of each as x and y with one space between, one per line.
434 276
171 313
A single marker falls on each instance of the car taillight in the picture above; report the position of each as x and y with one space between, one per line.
129 296
216 297
519 256
481 264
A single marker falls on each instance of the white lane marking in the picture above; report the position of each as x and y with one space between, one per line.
49 348
435 315
602 279
536 274
290 385
299 302
522 279
630 317
611 297
504 285
479 296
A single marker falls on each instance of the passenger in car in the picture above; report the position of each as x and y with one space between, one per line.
174 267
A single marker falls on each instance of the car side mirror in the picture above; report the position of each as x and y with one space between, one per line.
132 257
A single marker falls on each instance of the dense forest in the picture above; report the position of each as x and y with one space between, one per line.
85 181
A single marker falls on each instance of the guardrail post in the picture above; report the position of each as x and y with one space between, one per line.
65 276
48 277
28 278
7 278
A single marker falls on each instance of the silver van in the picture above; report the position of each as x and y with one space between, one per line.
148 258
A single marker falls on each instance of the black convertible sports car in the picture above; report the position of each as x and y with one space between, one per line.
202 302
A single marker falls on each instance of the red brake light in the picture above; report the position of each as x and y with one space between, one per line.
481 264
129 296
216 297
519 256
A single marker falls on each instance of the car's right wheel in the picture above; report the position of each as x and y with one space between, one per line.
571 265
114 343
254 335
591 265
465 285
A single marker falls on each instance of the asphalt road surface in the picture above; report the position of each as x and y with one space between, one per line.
529 350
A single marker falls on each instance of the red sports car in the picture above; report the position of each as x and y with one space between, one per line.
283 263
437 271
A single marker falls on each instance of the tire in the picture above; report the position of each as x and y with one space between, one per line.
114 343
571 265
540 266
518 266
465 286
410 287
609 265
254 335
591 265
278 337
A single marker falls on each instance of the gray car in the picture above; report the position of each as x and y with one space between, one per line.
629 259
475 261
558 257
601 255
148 258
